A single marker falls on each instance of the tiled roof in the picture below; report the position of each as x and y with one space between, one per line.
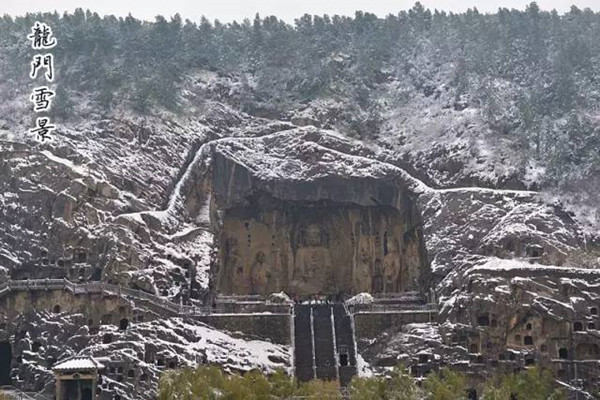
78 364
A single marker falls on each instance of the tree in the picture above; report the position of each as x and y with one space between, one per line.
445 385
531 384
202 383
62 105
210 383
320 390
371 388
398 386
401 386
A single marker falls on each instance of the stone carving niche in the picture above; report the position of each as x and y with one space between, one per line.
311 248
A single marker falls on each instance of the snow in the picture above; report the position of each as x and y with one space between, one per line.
69 164
222 348
78 363
451 148
498 264
363 368
292 155
280 298
361 298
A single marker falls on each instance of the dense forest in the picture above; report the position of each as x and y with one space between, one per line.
533 75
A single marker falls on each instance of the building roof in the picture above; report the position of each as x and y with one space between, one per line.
78 364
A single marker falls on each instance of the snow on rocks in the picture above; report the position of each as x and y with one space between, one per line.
280 298
360 299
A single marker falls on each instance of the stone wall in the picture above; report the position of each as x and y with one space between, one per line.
96 307
274 327
370 325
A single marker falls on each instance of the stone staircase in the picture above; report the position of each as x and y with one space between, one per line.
345 344
325 354
303 344
324 343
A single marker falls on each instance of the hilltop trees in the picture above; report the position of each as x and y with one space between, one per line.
532 74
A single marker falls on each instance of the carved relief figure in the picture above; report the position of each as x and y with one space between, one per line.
235 262
377 283
392 267
312 250
362 275
312 261
390 273
260 274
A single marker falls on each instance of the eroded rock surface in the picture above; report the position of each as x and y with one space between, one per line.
189 208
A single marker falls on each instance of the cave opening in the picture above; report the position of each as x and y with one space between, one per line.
96 274
529 362
123 324
563 353
5 361
474 348
107 338
81 257
483 320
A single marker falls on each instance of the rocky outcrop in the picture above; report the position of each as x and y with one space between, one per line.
300 215
187 208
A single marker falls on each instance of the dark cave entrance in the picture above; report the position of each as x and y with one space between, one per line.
5 360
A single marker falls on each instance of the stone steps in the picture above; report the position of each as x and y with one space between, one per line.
324 343
344 342
325 359
303 344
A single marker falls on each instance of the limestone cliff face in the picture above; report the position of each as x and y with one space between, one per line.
309 248
302 216
234 204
